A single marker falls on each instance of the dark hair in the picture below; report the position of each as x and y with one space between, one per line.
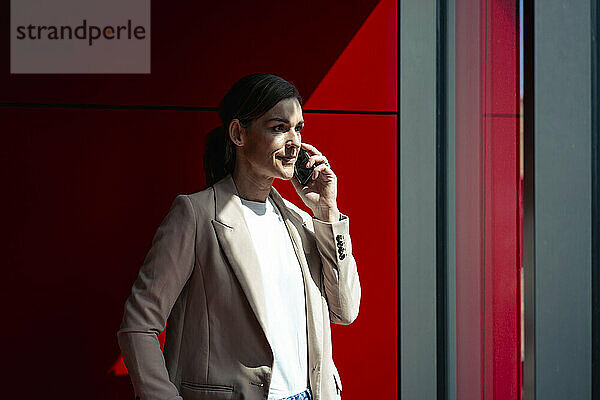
248 99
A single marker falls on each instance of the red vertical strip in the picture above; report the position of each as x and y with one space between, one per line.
502 232
469 206
487 200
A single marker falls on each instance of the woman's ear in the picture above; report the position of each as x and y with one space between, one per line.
237 133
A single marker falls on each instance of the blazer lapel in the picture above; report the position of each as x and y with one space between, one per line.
235 240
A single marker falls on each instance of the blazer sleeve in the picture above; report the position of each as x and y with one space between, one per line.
340 276
166 268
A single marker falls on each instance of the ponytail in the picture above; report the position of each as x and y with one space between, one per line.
219 157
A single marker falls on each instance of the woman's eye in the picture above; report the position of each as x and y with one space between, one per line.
299 128
279 128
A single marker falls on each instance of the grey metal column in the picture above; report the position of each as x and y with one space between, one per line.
451 214
595 201
557 232
418 199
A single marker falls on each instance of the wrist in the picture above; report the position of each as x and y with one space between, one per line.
327 214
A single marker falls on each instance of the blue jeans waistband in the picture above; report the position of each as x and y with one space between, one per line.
305 395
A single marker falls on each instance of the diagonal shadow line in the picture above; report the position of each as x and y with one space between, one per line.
309 92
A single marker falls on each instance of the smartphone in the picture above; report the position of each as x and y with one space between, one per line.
302 173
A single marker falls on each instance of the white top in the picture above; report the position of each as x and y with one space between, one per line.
284 297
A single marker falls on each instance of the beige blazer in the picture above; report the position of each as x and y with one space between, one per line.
201 278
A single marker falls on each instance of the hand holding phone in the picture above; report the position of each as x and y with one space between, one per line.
320 194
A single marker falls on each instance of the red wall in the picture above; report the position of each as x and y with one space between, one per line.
84 188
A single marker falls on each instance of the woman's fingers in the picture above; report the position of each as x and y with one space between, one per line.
312 160
318 169
317 158
312 149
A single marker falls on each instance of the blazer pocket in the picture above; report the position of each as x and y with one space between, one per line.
205 391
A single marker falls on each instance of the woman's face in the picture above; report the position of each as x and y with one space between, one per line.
271 142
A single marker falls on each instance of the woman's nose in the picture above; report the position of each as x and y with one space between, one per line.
295 138
291 149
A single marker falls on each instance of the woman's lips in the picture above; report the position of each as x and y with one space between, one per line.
287 160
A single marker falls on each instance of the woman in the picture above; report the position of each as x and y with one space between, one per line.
246 282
